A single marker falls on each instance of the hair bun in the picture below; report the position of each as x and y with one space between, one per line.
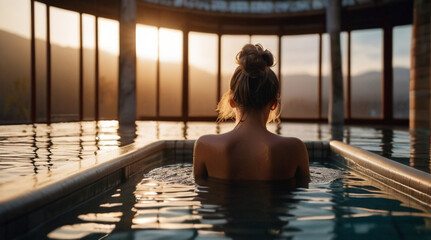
254 60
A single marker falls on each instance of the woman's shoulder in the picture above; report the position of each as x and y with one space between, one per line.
290 143
208 140
293 141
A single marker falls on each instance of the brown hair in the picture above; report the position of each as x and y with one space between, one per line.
253 84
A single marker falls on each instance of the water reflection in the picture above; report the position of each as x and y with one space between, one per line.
420 150
31 149
387 142
337 132
127 134
167 204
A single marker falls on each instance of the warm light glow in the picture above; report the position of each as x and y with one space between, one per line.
15 17
146 42
203 51
64 27
40 20
109 36
88 31
171 45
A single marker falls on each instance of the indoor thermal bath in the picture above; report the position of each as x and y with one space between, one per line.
101 103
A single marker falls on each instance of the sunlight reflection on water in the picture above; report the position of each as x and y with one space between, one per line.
30 149
344 205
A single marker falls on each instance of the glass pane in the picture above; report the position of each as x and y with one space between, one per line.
40 51
146 70
108 67
230 46
270 43
171 71
64 36
89 64
15 64
326 71
299 73
203 51
401 70
366 71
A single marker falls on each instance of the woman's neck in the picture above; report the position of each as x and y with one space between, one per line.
255 119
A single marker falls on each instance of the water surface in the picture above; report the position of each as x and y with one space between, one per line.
167 204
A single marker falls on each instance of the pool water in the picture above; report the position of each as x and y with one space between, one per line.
30 149
167 204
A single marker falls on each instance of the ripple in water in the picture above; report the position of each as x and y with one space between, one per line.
167 204
181 173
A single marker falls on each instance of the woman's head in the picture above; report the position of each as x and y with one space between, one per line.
253 86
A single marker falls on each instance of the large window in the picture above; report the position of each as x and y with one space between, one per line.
108 67
89 65
401 70
64 35
171 72
159 71
15 62
146 72
203 58
366 73
299 76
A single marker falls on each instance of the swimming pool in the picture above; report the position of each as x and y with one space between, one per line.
44 197
39 148
166 204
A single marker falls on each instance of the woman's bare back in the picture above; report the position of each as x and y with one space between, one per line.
250 155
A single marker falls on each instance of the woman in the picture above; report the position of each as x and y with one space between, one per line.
250 151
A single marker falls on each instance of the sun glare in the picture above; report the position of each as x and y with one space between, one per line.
146 42
171 45
64 26
15 17
109 36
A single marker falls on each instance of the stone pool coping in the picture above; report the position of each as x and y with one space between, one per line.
28 202
402 178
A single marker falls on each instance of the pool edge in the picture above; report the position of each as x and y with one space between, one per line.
404 179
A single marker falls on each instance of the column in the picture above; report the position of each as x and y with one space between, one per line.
127 68
336 101
420 66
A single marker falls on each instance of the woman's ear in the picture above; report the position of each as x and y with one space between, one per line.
274 106
232 103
